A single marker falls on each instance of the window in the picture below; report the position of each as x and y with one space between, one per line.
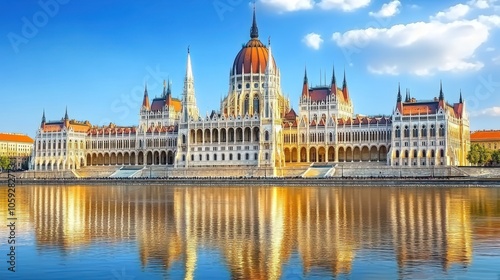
398 132
230 156
247 156
215 157
208 157
433 131
415 131
424 131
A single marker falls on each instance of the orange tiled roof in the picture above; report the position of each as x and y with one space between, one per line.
485 135
11 137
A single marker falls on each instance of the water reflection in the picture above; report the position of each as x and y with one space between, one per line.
257 230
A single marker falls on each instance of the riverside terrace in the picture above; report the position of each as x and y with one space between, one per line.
448 181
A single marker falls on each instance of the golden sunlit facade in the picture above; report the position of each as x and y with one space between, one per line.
257 133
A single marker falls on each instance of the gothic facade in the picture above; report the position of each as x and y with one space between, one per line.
256 127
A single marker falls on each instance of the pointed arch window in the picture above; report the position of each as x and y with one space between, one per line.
256 105
246 105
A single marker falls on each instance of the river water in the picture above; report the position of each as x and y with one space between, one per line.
168 232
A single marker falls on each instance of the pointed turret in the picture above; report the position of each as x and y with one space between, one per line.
441 95
164 94
460 100
189 69
345 91
145 100
305 86
333 89
189 101
254 30
66 114
399 103
399 93
43 117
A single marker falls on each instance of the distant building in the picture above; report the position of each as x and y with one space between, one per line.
487 138
17 147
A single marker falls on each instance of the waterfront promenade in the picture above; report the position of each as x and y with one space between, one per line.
276 181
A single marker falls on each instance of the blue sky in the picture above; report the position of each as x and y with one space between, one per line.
95 56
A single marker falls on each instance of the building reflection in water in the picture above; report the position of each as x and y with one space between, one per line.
257 229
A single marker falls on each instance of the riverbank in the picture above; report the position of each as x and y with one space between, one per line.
284 182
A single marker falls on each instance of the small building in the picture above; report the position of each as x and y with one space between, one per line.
17 147
487 138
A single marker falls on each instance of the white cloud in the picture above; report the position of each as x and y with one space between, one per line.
481 4
388 10
414 6
490 49
496 60
453 13
289 5
344 5
420 48
313 40
491 112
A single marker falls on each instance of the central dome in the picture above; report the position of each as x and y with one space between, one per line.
253 57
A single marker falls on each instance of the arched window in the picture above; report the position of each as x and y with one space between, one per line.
230 156
247 156
397 154
441 130
266 136
398 132
415 131
208 157
433 154
415 154
246 106
433 131
256 105
223 157
215 157
424 131
441 153
406 154
267 156
239 156
407 131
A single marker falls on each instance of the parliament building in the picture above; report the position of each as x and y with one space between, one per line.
255 127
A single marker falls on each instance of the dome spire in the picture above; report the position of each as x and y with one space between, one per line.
254 31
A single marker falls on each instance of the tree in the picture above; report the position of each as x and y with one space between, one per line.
479 155
495 157
4 162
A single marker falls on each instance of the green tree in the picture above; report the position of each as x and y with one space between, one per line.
4 163
479 155
495 157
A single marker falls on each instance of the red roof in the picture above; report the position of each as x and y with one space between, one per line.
319 94
485 135
12 137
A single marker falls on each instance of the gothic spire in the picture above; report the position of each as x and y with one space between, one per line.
66 114
460 100
334 80
345 91
189 69
169 88
399 93
164 94
43 116
254 31
305 86
145 100
441 94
